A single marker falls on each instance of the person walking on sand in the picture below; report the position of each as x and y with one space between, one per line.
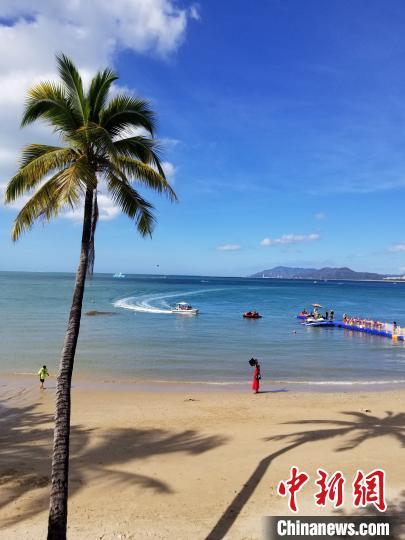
43 373
256 375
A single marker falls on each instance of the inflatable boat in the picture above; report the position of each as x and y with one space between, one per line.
252 315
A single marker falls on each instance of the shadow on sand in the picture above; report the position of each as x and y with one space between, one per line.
26 447
395 516
355 430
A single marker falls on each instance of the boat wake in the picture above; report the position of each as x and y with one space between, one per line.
156 303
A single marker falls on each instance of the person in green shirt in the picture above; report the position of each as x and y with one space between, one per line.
43 373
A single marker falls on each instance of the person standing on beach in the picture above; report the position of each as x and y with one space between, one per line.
43 373
256 375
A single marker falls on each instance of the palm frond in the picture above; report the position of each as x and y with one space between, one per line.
144 174
124 112
83 174
98 92
73 86
37 161
48 100
143 148
47 201
94 136
33 152
131 203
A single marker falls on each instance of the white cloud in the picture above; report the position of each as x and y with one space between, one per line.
93 29
107 210
397 248
169 169
91 32
229 247
167 142
320 216
194 12
290 239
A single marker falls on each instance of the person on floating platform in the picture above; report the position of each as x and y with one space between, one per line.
332 315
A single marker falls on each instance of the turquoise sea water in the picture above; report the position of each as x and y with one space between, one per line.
143 340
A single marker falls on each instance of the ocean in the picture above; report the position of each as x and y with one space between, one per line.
143 341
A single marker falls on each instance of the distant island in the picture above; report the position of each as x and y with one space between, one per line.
286 272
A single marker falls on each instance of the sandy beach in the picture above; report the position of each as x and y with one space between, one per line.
184 464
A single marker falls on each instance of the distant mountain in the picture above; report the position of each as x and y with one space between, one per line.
285 272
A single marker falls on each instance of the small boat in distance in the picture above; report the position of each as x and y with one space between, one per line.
119 275
252 315
184 309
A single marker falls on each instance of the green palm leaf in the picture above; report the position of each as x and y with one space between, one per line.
95 137
125 112
143 148
60 191
73 87
49 101
131 203
144 174
37 161
98 93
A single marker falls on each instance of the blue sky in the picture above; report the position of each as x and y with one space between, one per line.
284 131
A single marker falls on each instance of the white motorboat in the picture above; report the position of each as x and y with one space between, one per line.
320 321
184 309
315 319
119 275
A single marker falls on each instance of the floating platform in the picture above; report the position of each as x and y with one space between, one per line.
395 336
399 336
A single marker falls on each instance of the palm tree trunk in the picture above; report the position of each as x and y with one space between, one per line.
57 523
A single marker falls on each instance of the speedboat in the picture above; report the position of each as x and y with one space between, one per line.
184 309
252 315
314 315
311 319
314 318
317 320
119 275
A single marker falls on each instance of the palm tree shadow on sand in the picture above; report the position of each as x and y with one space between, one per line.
23 440
358 428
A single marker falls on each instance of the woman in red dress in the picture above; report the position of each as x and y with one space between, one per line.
256 375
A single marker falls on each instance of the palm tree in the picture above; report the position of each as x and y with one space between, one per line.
105 141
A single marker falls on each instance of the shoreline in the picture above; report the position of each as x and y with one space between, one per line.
98 381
